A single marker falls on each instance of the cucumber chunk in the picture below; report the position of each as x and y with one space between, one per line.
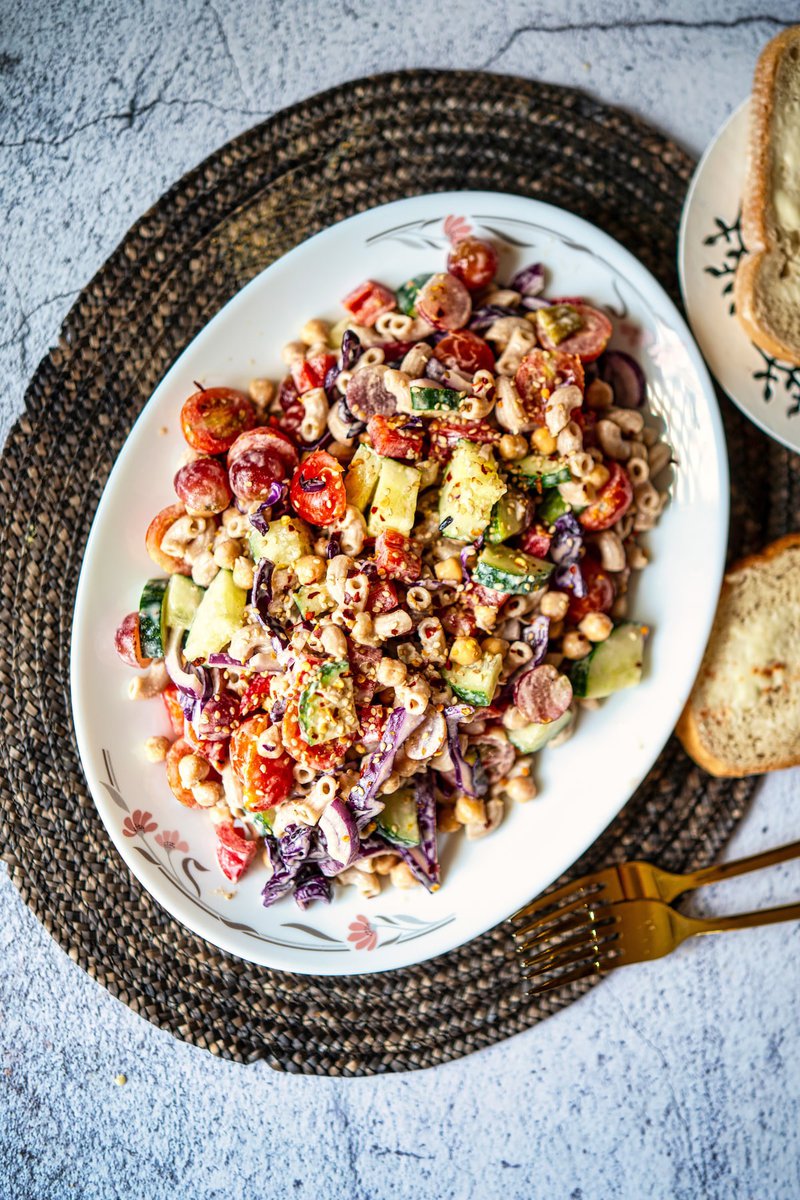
181 602
552 507
470 489
436 399
150 631
534 737
219 615
313 599
510 516
476 683
511 571
394 505
362 477
539 472
612 665
286 540
327 707
407 294
398 822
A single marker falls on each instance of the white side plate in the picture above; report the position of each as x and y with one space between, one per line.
583 784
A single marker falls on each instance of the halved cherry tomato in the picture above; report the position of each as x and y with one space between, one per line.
203 487
128 644
536 541
474 262
256 697
174 711
369 301
266 437
252 474
310 372
234 852
176 752
391 437
292 410
588 342
444 302
613 500
317 492
464 351
600 592
156 531
394 556
213 418
322 757
372 719
265 781
540 373
382 597
445 434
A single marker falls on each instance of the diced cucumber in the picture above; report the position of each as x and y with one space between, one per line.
313 599
327 707
219 615
476 683
510 516
150 605
533 737
436 399
551 507
263 821
407 294
394 504
558 322
428 473
511 571
470 489
398 822
362 476
612 665
539 472
181 602
286 540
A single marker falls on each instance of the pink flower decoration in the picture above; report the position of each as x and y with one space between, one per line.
456 228
362 933
138 822
171 841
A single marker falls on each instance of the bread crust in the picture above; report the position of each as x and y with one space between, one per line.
756 235
688 730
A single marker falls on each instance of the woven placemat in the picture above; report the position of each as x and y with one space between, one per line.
356 146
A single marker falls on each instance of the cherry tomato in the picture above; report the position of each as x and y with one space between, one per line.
536 541
234 852
372 719
203 487
474 262
266 437
213 418
394 556
369 301
444 302
382 598
600 593
464 351
310 372
613 500
127 642
156 532
590 341
176 752
265 781
252 474
174 711
540 373
257 696
445 434
391 438
322 757
317 491
292 411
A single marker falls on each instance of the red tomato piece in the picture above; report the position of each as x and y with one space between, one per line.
382 597
213 418
464 351
234 852
176 752
369 301
536 541
364 665
203 487
256 697
444 302
266 437
156 531
394 556
613 500
540 373
322 757
252 474
479 596
292 412
317 492
474 262
395 352
445 434
310 372
391 438
265 781
590 341
600 592
174 711
372 719
127 642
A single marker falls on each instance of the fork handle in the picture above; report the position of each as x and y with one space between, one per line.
740 866
767 916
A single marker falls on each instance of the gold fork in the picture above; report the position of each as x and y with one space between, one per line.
622 915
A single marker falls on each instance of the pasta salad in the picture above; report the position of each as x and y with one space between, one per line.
392 578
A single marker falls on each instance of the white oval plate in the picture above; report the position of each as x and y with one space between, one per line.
582 785
710 245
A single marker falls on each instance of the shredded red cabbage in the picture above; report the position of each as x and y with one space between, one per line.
487 314
468 777
262 597
529 280
334 546
312 485
223 660
295 844
363 796
423 859
439 373
567 540
537 635
339 832
569 577
311 885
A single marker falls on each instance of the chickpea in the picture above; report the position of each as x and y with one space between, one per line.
512 446
446 820
315 331
243 573
155 749
599 395
554 605
495 645
469 809
520 789
575 645
192 769
596 626
543 440
402 876
449 568
262 391
465 651
599 476
310 568
226 553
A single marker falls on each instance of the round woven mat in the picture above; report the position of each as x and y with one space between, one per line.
354 147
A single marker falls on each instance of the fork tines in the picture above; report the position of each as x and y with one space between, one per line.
555 906
562 950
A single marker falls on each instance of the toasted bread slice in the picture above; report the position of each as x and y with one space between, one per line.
767 284
743 716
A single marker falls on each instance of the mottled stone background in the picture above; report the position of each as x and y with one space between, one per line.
675 1079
